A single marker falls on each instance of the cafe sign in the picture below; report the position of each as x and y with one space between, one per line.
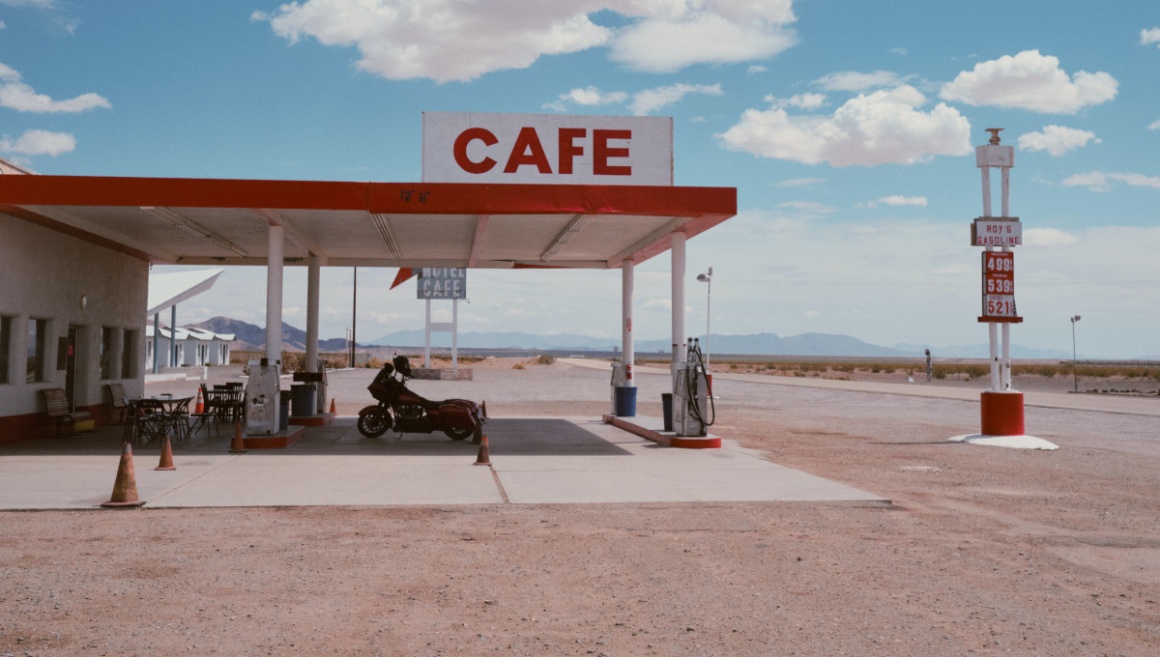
442 283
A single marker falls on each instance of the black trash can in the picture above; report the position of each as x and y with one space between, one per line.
305 399
284 410
625 401
667 409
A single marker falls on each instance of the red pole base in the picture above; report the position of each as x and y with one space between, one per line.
1002 413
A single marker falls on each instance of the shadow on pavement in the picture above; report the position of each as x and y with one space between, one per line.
506 436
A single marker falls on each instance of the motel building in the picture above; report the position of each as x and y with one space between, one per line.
506 191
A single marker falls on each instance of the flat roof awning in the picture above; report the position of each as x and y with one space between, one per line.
225 222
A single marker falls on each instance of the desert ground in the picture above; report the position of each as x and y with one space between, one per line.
982 550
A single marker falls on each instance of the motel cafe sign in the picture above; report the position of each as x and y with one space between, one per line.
461 147
442 283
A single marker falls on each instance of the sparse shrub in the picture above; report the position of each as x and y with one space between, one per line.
545 359
518 366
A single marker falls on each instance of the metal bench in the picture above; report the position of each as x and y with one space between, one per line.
56 405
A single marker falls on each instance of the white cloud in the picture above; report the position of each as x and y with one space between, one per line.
1056 140
651 100
460 40
18 95
1150 36
1155 125
591 96
800 101
443 40
854 81
898 200
43 4
885 127
800 182
39 142
1048 238
1101 181
1030 81
3 26
756 68
809 207
680 33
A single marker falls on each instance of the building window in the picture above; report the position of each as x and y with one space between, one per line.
128 353
37 335
107 336
5 346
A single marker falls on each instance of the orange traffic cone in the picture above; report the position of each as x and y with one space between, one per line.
166 462
238 446
199 405
125 487
332 410
483 458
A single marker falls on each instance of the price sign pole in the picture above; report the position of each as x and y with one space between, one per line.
1001 406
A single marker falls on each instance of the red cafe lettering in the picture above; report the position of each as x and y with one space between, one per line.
528 150
547 149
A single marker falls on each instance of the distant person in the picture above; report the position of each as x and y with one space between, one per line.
929 367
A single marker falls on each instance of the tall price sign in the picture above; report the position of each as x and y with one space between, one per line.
998 235
999 286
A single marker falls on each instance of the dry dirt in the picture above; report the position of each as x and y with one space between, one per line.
983 552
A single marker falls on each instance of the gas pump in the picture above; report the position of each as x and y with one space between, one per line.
619 380
693 407
263 400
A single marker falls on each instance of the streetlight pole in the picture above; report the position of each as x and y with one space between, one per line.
1074 362
708 278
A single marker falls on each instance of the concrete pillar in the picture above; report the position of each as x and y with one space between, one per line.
274 266
680 335
627 345
312 295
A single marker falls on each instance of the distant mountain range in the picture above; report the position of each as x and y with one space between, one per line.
757 344
251 337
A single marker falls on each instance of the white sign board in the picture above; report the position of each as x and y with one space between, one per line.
442 283
996 232
547 149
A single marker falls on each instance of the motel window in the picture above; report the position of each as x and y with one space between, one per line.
37 337
128 353
107 336
5 346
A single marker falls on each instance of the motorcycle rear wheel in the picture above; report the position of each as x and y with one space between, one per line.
458 434
374 422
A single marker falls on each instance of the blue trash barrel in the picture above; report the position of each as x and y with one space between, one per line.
626 401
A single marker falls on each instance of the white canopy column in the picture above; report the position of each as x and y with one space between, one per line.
312 295
680 345
627 343
274 294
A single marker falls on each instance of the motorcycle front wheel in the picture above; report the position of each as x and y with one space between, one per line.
458 434
373 421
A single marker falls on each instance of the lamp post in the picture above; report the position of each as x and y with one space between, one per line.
708 278
1074 362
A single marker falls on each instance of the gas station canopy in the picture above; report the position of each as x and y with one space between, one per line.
225 222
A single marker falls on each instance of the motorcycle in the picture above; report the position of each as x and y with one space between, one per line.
400 408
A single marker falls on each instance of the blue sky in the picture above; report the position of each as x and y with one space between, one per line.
848 129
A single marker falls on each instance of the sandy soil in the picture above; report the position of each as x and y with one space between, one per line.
983 552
